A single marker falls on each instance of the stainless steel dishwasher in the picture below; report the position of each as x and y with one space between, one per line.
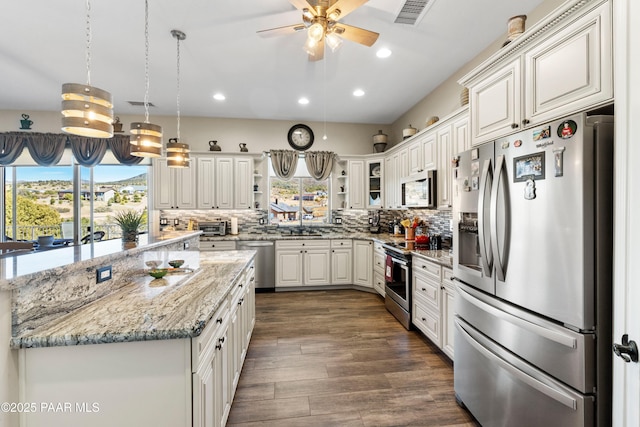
265 262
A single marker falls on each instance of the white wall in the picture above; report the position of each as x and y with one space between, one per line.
259 135
445 99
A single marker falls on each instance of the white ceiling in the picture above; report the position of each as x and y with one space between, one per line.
44 47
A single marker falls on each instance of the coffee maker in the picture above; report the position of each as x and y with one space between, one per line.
374 222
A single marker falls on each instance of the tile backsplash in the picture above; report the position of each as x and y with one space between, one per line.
352 220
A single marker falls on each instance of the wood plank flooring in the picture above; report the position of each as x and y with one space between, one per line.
338 358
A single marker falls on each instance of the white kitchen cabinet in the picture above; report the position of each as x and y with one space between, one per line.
173 188
217 245
224 183
461 140
447 306
379 263
356 186
243 183
415 157
443 143
375 181
303 263
341 262
205 169
429 151
556 68
391 183
403 163
363 263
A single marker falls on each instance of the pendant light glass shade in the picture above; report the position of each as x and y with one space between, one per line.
87 110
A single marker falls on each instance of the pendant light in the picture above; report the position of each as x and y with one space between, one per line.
147 137
87 110
177 152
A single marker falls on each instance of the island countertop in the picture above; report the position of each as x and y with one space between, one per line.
177 306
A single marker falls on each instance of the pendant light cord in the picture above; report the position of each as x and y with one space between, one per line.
88 53
178 85
146 61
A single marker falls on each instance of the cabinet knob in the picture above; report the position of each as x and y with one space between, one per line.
424 289
424 319
525 122
514 126
219 320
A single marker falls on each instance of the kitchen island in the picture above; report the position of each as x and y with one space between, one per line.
142 351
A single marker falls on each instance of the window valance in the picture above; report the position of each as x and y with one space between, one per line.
47 148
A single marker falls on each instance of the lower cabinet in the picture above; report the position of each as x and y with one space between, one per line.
433 298
379 262
156 383
362 263
303 263
341 265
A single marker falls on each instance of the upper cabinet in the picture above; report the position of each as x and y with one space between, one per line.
374 183
356 184
173 188
560 66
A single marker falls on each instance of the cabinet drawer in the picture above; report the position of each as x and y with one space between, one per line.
427 321
379 261
298 244
341 243
426 289
378 282
377 247
206 340
228 245
426 267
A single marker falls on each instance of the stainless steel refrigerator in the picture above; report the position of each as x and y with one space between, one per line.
533 271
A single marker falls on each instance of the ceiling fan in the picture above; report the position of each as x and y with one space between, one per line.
320 18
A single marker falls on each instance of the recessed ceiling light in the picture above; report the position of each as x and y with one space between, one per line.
303 101
383 53
358 92
219 97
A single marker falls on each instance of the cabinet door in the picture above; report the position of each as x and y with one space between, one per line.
317 267
204 397
224 183
403 164
243 173
205 169
375 179
572 69
390 183
429 152
416 163
363 263
222 377
443 141
496 104
447 314
356 186
185 188
162 185
341 266
289 267
461 138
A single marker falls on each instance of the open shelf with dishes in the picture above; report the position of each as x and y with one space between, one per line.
374 184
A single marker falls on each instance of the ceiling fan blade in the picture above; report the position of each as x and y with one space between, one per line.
303 4
345 6
318 52
355 34
280 31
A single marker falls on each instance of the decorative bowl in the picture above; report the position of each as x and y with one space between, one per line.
176 263
158 273
153 264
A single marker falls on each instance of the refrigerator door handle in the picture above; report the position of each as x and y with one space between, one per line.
543 388
500 189
486 182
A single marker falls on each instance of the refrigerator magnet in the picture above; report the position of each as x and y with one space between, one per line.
567 129
528 167
474 154
543 133
517 143
530 189
558 160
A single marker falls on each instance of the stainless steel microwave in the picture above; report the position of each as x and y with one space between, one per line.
216 228
419 190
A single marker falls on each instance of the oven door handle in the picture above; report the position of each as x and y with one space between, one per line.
399 261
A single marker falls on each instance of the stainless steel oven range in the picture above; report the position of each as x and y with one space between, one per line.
397 298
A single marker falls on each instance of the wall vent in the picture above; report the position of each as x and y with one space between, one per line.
139 103
413 11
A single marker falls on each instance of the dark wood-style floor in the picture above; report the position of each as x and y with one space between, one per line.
339 358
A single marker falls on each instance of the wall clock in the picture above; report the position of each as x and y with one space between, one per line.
300 137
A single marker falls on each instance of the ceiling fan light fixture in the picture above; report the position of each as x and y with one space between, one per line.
334 15
316 31
309 46
307 16
333 41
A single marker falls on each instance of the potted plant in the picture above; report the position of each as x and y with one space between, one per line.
129 221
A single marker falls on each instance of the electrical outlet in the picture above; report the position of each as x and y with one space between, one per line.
103 274
338 220
164 221
370 220
261 221
185 245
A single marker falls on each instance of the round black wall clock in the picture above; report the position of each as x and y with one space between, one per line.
300 137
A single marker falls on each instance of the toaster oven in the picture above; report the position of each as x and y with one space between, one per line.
214 228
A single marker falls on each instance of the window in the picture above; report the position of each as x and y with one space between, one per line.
300 201
47 202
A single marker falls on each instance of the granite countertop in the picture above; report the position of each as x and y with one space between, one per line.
177 306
